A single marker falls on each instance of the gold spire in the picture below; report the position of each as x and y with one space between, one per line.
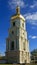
18 10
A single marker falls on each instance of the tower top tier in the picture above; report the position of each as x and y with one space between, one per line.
18 15
17 10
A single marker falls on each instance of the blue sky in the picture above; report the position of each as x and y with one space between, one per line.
28 9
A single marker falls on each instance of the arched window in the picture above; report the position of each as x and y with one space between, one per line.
24 45
13 23
12 45
12 32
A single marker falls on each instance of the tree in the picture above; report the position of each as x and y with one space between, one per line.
34 56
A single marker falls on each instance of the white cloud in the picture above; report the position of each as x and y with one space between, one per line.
31 16
13 3
34 4
32 37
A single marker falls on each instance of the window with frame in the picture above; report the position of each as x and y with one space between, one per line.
24 46
21 38
7 45
23 24
13 23
17 44
17 32
12 32
12 45
23 33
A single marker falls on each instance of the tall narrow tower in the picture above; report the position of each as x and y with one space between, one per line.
17 45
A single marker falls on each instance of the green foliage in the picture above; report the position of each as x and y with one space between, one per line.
5 64
18 64
34 56
34 52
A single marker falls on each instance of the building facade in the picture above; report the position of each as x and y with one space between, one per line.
17 45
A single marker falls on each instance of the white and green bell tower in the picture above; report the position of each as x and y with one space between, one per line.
17 44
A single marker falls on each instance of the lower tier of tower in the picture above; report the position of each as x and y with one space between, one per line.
17 57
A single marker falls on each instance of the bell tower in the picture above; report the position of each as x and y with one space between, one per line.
17 45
